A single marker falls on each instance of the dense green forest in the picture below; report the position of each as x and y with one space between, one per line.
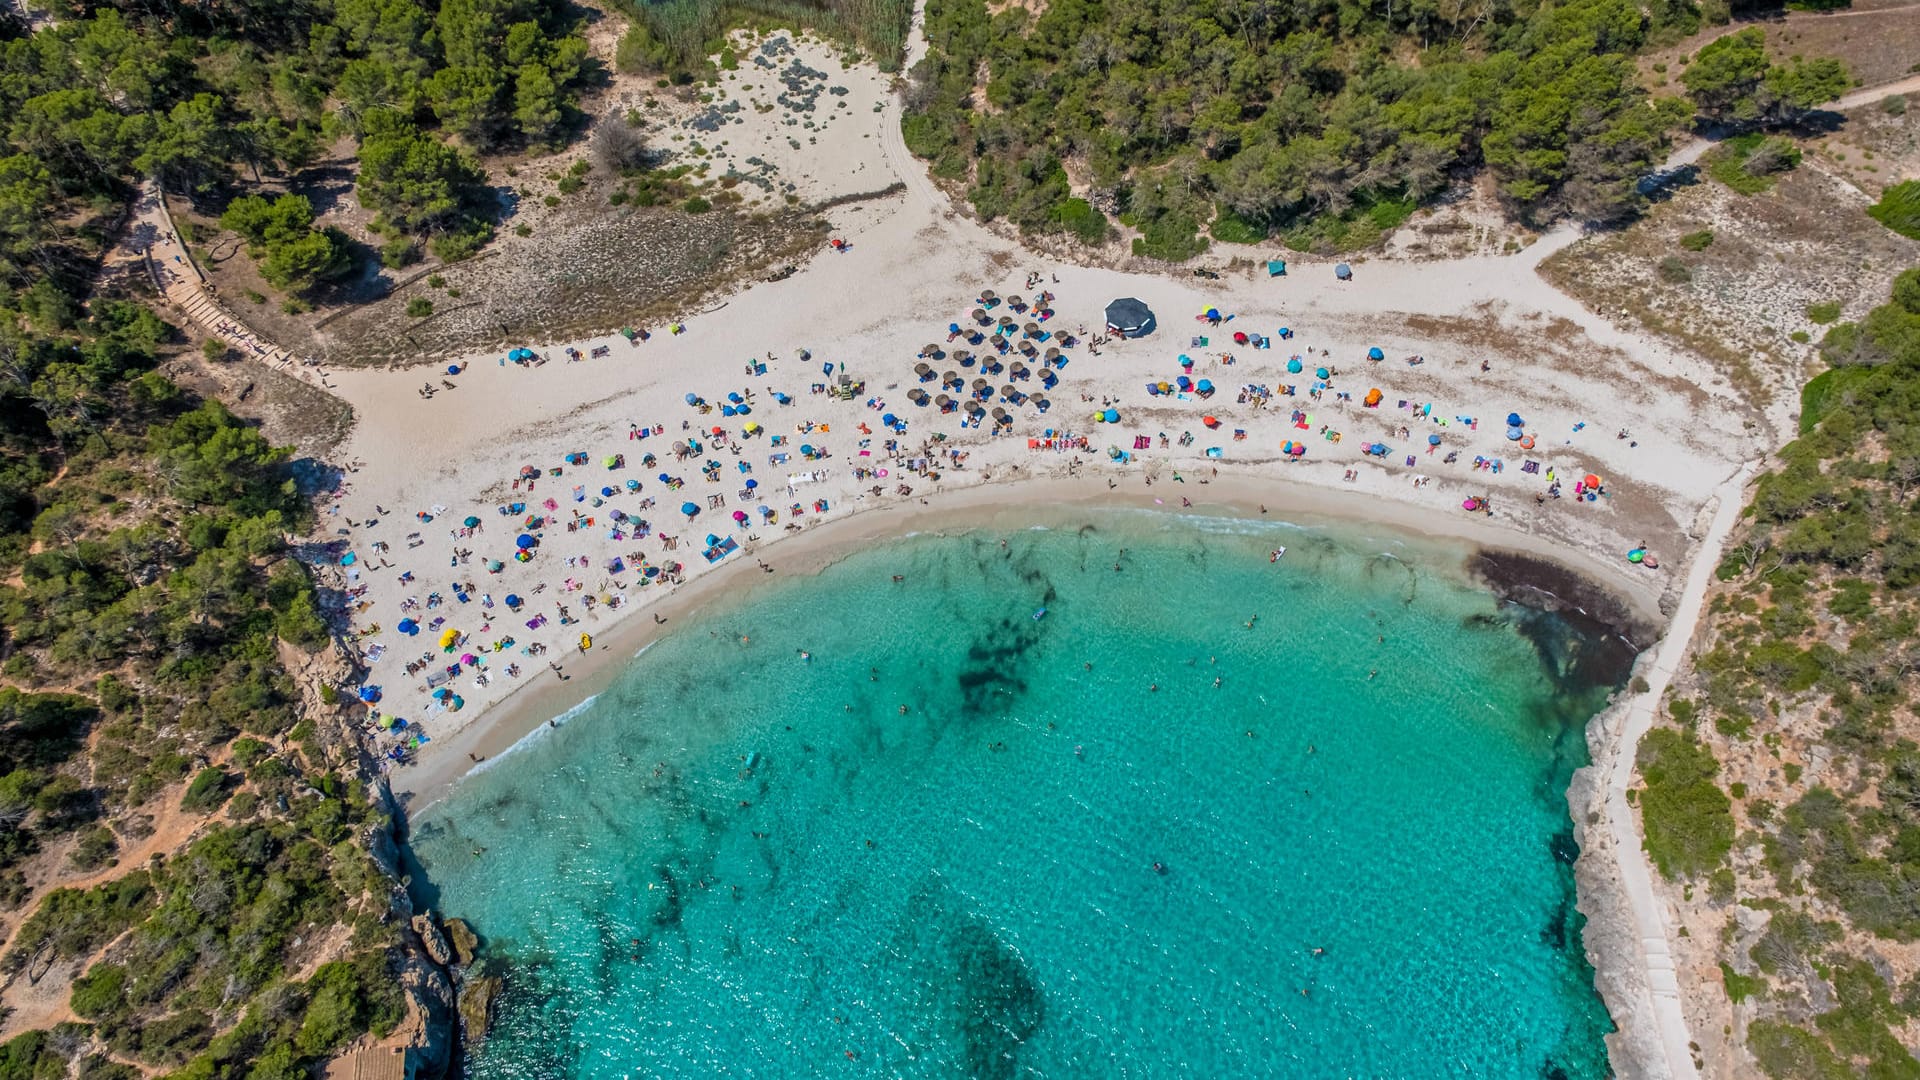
147 592
1325 122
1812 643
202 96
146 589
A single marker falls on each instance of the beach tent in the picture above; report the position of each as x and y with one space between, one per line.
1129 317
1375 353
1343 272
1276 267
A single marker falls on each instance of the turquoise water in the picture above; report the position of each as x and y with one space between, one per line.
737 861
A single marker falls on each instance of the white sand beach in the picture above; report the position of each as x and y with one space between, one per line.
1491 337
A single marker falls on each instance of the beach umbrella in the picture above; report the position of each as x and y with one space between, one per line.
1052 355
472 522
693 399
1239 337
922 369
1205 386
1213 313
529 470
929 349
453 369
409 627
1042 404
1111 416
1293 366
988 294
448 638
806 449
1513 420
1375 353
606 491
739 515
1592 480
1008 320
370 694
1322 373
494 566
735 397
1299 449
1514 434
689 509
1030 329
751 484
442 694
467 658
1343 272
1433 440
1211 422
513 600
524 541
980 316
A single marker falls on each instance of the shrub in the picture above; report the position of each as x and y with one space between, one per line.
1078 217
95 850
1673 271
570 184
1824 314
1740 987
1697 241
1688 819
100 992
207 792
696 205
419 307
1899 209
1230 228
398 252
1894 105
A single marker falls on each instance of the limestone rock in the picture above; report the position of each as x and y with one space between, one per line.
431 937
427 1031
466 943
477 994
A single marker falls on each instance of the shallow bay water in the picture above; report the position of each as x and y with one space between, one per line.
1073 853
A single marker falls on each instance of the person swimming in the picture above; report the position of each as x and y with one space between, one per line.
804 654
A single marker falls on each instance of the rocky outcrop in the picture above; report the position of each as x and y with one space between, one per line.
477 995
466 943
432 939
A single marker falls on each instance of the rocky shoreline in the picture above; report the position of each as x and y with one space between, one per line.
1626 638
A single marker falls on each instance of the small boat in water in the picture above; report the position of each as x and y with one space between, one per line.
1040 614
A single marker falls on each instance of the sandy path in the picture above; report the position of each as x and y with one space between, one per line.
1623 824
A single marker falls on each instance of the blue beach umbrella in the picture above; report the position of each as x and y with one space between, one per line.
1513 420
689 509
633 485
513 600
751 484
1205 386
1515 433
693 399
1112 416
1293 367
1433 440
525 541
409 627
1322 373
1375 353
